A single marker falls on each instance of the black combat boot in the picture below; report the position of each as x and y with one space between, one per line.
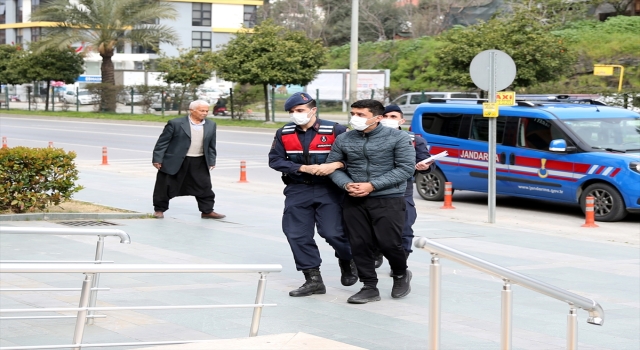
313 284
401 285
365 295
349 272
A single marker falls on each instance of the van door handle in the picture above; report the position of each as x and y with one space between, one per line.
512 159
503 158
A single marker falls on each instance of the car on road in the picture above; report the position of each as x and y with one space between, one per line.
126 98
554 151
410 101
84 97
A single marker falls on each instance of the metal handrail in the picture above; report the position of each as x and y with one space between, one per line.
596 313
90 270
100 232
124 237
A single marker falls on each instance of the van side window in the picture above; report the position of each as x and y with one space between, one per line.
418 99
445 124
400 101
537 133
480 128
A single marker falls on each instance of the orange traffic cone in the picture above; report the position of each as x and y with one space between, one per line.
50 144
104 156
447 196
243 171
4 142
590 215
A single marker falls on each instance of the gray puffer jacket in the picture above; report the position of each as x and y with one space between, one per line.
384 156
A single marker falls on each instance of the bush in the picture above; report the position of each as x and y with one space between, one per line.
33 178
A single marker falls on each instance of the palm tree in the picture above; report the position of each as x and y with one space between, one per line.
105 25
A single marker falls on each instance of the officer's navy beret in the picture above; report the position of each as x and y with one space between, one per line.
299 98
392 108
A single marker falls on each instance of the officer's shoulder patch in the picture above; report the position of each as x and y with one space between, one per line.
288 129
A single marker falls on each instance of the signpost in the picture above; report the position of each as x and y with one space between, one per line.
484 70
607 69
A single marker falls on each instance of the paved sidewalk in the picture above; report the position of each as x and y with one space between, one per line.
251 233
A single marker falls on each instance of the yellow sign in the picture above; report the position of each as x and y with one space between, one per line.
490 110
602 70
506 98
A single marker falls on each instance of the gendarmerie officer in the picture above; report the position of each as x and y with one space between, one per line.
312 200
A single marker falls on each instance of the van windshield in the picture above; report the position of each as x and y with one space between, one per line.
622 134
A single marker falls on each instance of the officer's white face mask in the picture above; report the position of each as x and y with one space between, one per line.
300 118
391 123
359 123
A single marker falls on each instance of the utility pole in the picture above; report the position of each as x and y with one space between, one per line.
353 58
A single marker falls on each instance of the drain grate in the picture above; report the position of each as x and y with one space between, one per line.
83 223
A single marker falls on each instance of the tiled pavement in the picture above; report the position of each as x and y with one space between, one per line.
251 233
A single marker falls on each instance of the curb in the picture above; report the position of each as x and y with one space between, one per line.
71 216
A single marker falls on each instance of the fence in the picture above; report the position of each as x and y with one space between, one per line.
101 233
596 313
91 270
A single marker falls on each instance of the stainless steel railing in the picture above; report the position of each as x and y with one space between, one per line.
437 250
100 232
90 270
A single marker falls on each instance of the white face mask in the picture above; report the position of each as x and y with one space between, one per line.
359 123
390 123
300 118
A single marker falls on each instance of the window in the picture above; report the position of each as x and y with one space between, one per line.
139 48
201 14
201 41
445 124
3 18
537 133
480 128
18 11
402 100
36 34
36 3
18 36
3 36
250 16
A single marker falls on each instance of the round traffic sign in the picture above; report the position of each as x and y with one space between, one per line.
481 70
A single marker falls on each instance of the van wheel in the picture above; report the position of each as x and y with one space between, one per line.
431 185
608 203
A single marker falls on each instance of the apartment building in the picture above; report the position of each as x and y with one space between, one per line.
201 24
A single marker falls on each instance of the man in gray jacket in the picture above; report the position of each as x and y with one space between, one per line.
379 161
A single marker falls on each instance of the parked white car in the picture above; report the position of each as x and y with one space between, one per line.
410 101
84 97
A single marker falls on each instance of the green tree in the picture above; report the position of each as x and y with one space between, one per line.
50 64
189 70
105 25
539 55
11 57
271 55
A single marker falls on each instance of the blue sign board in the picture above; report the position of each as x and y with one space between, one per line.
90 78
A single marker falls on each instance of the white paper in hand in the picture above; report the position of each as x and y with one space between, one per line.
436 157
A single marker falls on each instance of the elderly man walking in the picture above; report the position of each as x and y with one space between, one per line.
184 154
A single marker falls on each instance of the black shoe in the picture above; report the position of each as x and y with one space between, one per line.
349 272
401 285
313 284
378 259
365 295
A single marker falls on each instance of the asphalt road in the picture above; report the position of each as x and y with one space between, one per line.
130 147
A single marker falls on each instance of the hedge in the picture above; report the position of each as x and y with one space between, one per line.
33 178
